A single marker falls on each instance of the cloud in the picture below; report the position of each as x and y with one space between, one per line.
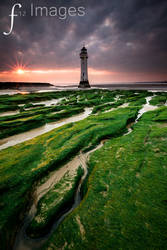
121 36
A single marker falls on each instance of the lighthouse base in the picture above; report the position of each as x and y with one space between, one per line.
84 84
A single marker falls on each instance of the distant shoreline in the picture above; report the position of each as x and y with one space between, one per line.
17 85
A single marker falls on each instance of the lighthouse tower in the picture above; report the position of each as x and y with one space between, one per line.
84 83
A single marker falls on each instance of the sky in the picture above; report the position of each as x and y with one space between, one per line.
126 41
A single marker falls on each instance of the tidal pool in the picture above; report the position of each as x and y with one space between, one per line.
15 139
23 242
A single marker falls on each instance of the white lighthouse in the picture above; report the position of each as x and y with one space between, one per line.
84 83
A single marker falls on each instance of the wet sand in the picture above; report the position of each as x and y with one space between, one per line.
9 113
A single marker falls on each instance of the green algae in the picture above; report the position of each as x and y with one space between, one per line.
111 190
125 202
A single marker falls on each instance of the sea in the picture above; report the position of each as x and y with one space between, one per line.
150 86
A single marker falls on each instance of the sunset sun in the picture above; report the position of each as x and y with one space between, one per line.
20 71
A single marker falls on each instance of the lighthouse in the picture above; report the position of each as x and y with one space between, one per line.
84 83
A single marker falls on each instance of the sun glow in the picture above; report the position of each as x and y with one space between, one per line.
19 65
20 71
